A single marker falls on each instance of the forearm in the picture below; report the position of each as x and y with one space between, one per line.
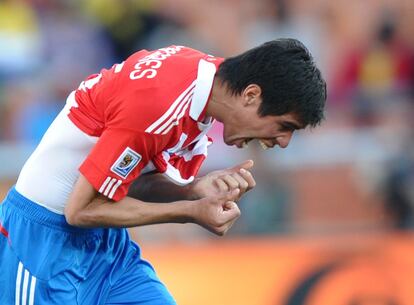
130 212
157 188
87 208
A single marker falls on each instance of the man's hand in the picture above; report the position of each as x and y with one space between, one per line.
214 183
87 208
216 213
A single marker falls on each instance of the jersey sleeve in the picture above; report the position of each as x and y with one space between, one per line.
116 160
181 167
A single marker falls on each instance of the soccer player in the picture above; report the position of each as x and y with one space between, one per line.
125 151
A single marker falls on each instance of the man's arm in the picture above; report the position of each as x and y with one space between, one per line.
87 208
155 187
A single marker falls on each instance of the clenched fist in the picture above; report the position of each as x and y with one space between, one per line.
216 213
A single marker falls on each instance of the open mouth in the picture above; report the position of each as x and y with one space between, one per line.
244 143
263 145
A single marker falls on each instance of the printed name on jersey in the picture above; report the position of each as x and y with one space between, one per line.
126 162
153 62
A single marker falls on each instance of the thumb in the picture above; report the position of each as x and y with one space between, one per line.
229 205
248 164
231 210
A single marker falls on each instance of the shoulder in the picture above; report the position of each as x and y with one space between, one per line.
158 86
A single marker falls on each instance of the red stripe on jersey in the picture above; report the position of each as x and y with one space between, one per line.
3 231
188 168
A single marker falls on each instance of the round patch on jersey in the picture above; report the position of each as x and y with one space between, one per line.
126 162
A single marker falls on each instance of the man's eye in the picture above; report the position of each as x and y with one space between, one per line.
288 128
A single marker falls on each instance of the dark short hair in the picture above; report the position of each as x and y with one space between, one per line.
287 75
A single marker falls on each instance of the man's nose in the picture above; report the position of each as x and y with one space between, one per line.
284 140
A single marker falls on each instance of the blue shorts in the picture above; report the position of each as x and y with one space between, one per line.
43 260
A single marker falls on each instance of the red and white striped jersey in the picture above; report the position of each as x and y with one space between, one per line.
147 113
148 110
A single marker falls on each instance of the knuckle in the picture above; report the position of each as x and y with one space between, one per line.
231 185
230 197
244 185
220 231
233 182
233 179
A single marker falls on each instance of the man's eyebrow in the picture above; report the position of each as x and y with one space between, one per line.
291 125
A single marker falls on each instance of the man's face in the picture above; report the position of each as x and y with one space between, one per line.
244 124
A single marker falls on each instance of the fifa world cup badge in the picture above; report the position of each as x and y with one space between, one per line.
126 162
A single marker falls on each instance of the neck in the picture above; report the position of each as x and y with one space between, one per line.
217 103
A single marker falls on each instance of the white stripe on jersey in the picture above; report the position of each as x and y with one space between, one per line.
104 184
158 122
175 122
179 111
108 188
175 175
18 282
111 194
179 144
199 149
118 67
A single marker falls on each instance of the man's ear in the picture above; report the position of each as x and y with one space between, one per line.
252 95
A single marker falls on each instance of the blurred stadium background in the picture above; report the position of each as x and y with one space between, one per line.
331 219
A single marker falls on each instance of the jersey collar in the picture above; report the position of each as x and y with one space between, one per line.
204 83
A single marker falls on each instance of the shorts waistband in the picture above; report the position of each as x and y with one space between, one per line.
39 214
